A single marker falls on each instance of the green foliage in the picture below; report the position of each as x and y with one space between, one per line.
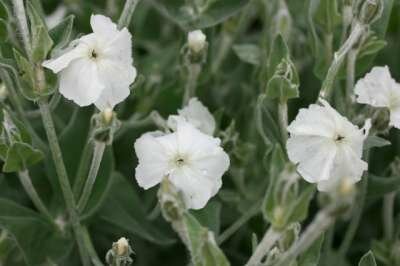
367 260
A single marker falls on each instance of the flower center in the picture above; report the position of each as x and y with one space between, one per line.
93 54
339 138
180 161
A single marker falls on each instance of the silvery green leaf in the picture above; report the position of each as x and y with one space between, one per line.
248 53
20 156
379 186
311 256
375 141
61 33
367 260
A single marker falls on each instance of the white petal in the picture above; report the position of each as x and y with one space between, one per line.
153 161
61 62
196 189
103 27
315 120
314 156
374 89
173 120
117 79
199 116
80 82
119 49
395 117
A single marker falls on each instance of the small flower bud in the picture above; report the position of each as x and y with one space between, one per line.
196 41
122 247
371 10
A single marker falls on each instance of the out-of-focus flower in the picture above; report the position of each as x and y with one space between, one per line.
192 161
196 41
379 89
326 146
97 68
196 114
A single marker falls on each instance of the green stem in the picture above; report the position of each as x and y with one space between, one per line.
351 70
268 241
26 182
20 14
63 177
356 217
127 12
98 152
91 250
388 217
339 57
321 223
83 168
238 224
283 120
191 82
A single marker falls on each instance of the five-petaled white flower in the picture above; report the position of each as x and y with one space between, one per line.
97 68
196 41
192 161
379 89
326 147
196 114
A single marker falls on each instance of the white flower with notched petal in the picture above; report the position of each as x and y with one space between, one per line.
192 161
196 114
97 68
379 89
326 146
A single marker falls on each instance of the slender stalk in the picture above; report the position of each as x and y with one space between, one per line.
83 168
191 82
238 224
26 182
98 152
339 57
19 11
283 120
259 121
127 12
388 217
351 70
63 177
269 239
356 217
89 245
321 223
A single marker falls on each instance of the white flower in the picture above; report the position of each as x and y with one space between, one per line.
98 67
326 146
192 161
196 114
379 89
196 41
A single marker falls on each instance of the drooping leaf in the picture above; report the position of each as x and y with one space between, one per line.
20 156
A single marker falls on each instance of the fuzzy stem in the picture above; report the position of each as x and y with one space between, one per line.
339 57
283 120
269 239
193 75
351 69
83 168
26 182
63 177
388 217
127 12
356 217
20 14
98 152
238 224
321 223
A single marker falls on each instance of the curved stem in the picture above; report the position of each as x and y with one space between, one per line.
339 57
31 191
351 69
63 177
269 239
98 152
321 223
127 12
89 245
283 120
356 217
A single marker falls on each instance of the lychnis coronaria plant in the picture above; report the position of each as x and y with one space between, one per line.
203 133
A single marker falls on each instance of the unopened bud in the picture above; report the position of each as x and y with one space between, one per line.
122 247
196 41
371 10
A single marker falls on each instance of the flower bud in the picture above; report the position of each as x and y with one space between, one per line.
107 115
120 253
371 10
346 187
122 247
196 41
